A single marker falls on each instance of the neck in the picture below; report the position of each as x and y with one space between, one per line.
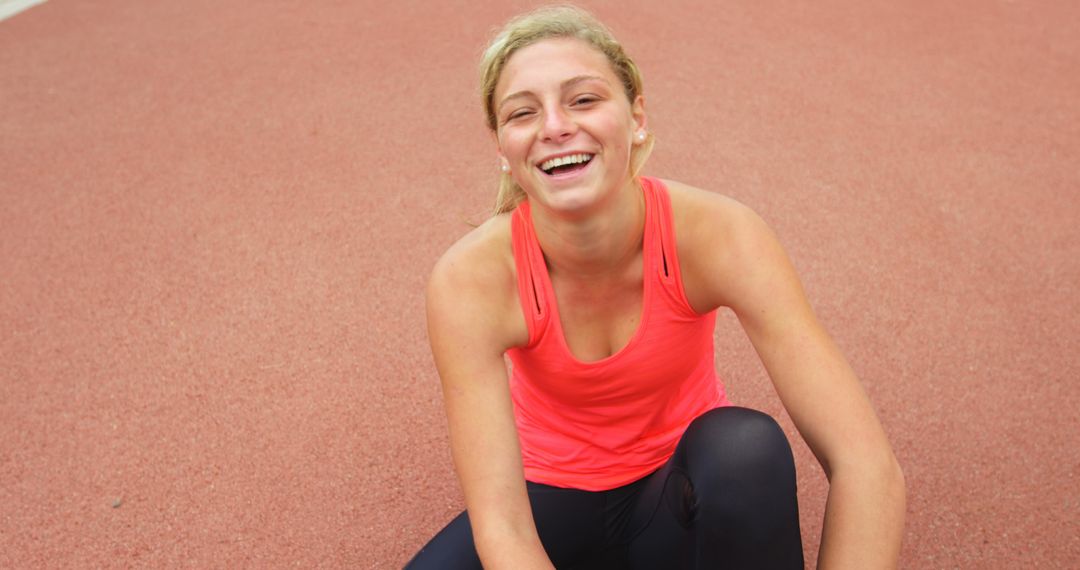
594 244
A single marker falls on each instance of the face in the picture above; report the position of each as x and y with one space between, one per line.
564 125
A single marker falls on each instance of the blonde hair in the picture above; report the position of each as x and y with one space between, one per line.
554 22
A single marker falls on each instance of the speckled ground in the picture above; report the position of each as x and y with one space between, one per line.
216 220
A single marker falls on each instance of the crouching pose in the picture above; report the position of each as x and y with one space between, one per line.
610 443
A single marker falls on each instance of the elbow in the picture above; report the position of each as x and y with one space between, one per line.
888 471
887 468
891 488
887 476
881 470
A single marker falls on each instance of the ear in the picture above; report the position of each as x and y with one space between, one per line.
498 148
637 111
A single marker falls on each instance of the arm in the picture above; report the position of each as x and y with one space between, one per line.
468 332
864 515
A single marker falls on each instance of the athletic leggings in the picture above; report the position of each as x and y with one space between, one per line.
725 499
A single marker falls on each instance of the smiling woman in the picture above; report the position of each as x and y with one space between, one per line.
563 100
611 442
566 23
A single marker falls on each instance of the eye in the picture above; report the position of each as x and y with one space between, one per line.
586 99
518 114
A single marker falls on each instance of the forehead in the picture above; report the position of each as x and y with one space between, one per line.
548 62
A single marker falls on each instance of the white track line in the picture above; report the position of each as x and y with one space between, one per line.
9 8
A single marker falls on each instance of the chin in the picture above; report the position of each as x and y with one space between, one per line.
576 198
571 201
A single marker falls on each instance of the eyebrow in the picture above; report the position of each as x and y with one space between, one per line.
568 83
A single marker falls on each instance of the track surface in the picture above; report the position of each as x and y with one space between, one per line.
216 220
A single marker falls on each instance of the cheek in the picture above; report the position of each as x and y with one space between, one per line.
514 145
618 132
619 136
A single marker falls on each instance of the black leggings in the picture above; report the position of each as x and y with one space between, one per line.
725 499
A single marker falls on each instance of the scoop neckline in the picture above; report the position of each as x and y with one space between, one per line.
646 294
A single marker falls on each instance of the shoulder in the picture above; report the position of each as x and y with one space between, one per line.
697 211
719 240
474 284
480 263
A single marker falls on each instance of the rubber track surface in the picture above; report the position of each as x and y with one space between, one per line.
217 218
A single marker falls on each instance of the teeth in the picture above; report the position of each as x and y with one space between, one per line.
547 165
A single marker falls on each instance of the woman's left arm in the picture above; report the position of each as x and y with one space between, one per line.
864 515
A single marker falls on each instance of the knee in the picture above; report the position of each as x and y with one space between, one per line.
742 479
736 440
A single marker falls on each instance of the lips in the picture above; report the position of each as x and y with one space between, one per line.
567 173
565 164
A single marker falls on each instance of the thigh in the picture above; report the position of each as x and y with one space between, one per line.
725 499
570 524
658 528
451 549
745 505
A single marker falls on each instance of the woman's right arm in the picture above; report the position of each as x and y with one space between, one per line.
470 325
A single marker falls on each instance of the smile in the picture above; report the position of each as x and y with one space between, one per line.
565 164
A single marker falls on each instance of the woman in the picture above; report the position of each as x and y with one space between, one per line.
611 442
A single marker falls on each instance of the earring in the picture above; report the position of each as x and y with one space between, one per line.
506 168
641 136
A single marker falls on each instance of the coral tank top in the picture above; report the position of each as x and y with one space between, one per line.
600 425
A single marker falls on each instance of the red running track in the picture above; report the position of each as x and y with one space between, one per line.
216 220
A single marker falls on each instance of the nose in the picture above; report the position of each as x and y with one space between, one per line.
558 125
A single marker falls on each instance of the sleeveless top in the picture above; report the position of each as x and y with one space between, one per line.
599 425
